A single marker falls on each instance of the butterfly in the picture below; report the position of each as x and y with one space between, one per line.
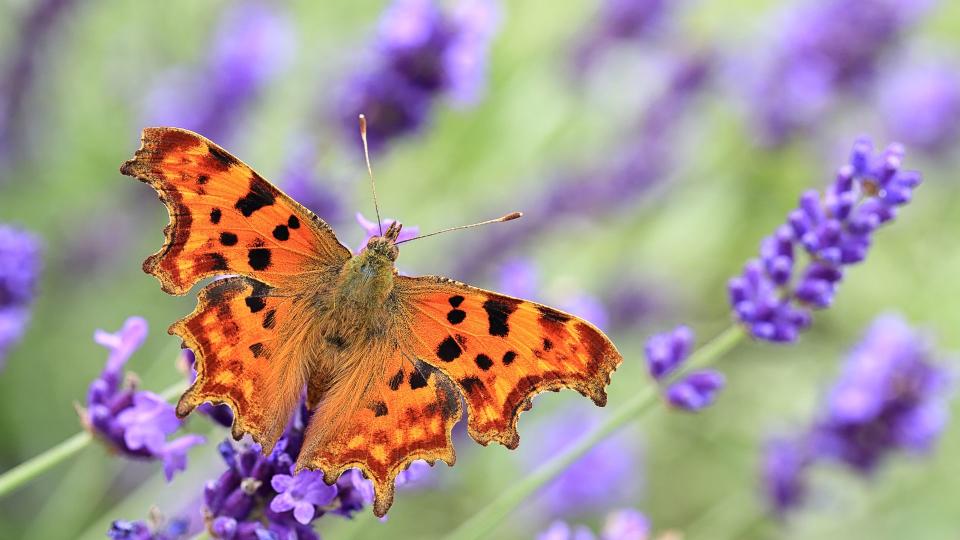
386 360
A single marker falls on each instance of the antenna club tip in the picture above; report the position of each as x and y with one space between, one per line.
512 216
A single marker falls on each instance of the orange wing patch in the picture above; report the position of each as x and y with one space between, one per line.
501 351
224 217
404 415
243 359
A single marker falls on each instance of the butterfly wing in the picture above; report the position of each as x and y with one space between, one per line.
224 217
249 334
405 413
248 348
501 351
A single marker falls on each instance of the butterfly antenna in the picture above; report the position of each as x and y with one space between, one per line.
366 157
508 217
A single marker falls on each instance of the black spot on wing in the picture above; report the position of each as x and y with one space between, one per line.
259 258
417 380
280 232
471 384
257 350
547 344
221 156
228 239
203 179
456 316
396 380
293 222
215 216
255 199
215 261
379 408
449 350
509 357
270 319
484 362
498 312
255 303
455 301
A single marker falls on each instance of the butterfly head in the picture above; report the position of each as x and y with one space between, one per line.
386 245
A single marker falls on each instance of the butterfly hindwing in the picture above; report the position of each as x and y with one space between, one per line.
249 356
224 217
405 413
501 351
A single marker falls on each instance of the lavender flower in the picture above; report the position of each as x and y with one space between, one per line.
665 354
141 530
251 46
921 107
604 476
621 21
891 396
420 53
624 524
131 422
19 271
772 298
39 24
696 390
785 463
829 47
260 495
600 191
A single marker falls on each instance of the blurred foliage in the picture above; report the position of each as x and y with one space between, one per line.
721 196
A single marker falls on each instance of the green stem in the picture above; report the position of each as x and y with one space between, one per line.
484 521
37 465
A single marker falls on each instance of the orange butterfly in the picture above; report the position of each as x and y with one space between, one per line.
385 359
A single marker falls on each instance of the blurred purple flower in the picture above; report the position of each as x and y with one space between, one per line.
39 24
785 463
131 422
891 396
824 48
697 390
421 53
620 21
252 44
624 524
20 264
921 107
140 530
372 229
597 192
301 184
771 298
665 352
606 475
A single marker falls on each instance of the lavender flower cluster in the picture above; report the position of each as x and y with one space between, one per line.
133 423
420 54
665 354
890 397
772 299
829 48
19 272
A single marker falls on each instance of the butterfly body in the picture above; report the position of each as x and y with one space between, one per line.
385 359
